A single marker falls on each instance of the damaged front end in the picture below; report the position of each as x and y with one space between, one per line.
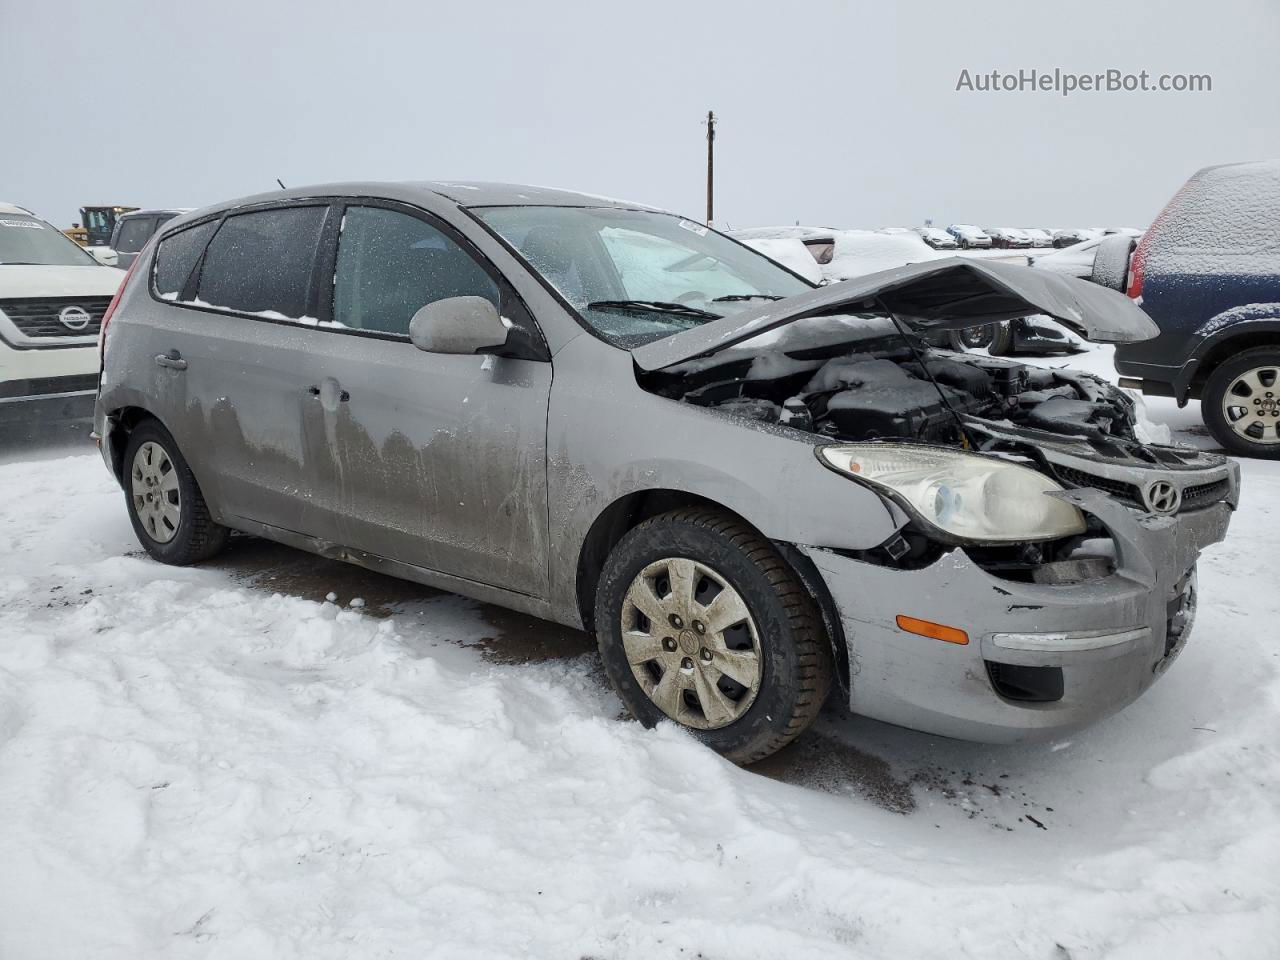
1033 521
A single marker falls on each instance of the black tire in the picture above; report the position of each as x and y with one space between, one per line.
795 655
1215 392
196 536
972 338
1001 344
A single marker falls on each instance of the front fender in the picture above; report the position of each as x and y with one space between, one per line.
608 438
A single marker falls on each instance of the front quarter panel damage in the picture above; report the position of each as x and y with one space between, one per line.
608 438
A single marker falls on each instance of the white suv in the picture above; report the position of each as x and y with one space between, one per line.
52 298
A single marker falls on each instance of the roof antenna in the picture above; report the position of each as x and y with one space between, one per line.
281 182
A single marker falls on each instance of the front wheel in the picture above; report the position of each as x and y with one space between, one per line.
701 621
1241 403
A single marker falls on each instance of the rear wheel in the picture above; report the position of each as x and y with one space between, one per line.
701 621
1241 403
168 511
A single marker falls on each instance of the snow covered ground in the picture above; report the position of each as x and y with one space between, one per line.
219 762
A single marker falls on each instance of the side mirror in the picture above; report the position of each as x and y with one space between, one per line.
468 325
105 256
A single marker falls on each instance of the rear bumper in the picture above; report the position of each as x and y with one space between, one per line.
47 399
1110 637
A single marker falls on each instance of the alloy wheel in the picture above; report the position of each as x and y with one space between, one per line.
691 643
1251 405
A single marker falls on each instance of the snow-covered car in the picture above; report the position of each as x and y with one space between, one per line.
1039 238
52 298
1208 273
1073 261
1070 236
937 238
856 253
1008 238
819 241
748 487
792 254
970 237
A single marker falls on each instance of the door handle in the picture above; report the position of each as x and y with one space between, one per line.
173 360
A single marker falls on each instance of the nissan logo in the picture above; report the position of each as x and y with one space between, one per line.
74 318
1162 497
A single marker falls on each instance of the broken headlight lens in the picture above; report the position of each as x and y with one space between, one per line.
966 495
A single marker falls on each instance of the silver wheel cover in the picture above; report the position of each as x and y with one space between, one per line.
691 643
1251 405
154 492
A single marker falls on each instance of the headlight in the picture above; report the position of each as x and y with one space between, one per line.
968 496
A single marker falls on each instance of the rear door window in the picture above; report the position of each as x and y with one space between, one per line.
133 234
391 264
178 254
262 262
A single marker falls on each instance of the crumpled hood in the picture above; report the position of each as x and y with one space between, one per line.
937 295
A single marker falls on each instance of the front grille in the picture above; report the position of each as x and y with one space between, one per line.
1203 494
40 317
1117 488
1193 497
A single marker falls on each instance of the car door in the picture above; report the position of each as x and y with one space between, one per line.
434 460
232 358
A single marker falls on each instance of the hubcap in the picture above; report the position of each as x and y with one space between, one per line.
1252 405
691 643
157 500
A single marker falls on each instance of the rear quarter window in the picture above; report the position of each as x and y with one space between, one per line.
177 256
1224 220
132 234
261 262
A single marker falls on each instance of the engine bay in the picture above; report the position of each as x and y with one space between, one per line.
890 387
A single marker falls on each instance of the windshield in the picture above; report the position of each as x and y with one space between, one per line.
636 276
26 240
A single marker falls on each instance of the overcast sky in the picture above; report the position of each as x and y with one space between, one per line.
834 112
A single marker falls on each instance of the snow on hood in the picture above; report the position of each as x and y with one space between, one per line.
942 294
856 253
791 253
20 281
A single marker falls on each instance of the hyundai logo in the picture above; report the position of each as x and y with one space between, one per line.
74 318
1162 497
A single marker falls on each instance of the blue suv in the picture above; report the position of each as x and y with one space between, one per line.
1208 273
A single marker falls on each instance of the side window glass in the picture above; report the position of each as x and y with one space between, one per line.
177 257
261 262
391 264
133 234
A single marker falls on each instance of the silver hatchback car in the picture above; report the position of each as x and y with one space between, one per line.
748 487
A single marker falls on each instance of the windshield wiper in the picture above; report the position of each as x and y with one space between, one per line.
737 297
654 306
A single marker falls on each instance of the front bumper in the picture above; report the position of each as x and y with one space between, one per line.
1110 637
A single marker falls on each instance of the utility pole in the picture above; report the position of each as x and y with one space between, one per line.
711 155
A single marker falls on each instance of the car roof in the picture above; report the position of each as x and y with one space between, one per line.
456 193
152 211
14 208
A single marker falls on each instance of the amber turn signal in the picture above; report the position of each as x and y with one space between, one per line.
934 631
